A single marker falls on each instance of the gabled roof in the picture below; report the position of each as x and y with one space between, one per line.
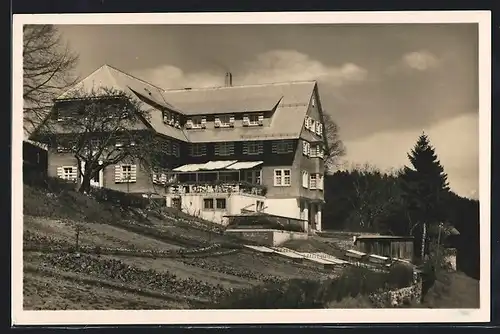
238 99
289 100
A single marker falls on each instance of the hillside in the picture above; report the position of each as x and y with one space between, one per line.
131 258
128 258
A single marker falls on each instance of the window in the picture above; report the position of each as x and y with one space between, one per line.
224 149
253 176
313 102
197 150
166 147
282 177
227 176
221 203
282 146
306 148
305 179
312 181
208 203
125 173
67 173
224 121
253 147
253 120
176 150
197 122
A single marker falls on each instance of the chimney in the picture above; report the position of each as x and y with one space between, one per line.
229 79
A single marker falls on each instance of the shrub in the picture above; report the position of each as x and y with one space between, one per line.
400 275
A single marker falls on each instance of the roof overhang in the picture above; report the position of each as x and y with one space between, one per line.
227 165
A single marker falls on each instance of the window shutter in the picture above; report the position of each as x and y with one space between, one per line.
312 126
305 148
246 121
60 172
189 124
245 148
216 149
74 173
203 149
217 122
133 173
261 119
204 122
118 173
320 181
260 147
305 179
307 122
275 147
163 178
231 120
319 129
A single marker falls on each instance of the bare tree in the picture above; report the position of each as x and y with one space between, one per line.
373 195
102 128
335 148
48 65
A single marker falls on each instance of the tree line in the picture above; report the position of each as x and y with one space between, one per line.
414 201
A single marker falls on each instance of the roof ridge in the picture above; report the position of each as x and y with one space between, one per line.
240 86
133 77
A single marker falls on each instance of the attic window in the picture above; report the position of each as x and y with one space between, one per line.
253 120
313 102
197 122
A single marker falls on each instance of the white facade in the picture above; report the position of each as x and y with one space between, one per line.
198 204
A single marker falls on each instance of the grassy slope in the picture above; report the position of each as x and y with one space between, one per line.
55 216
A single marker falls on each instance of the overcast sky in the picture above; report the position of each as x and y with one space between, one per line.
383 84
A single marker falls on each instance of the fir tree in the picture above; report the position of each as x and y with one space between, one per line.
425 190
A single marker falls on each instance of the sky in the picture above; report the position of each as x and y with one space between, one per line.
383 84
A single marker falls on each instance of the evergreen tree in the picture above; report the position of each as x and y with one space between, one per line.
425 190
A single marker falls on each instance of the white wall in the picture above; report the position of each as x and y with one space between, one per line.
192 204
286 207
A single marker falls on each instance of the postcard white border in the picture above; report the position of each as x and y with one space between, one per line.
325 316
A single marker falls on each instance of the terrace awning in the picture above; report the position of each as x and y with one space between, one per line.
218 165
245 165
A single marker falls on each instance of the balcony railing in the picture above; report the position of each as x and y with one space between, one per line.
215 187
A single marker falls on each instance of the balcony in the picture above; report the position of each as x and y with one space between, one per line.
204 187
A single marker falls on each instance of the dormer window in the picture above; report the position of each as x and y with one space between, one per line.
168 118
197 122
224 121
253 119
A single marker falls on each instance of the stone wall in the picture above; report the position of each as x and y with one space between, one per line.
267 237
399 297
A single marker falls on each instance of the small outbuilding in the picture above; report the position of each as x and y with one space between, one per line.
395 247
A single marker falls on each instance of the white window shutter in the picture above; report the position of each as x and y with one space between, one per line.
189 124
304 147
261 119
216 149
319 129
60 172
204 122
133 173
245 148
231 120
203 149
74 173
260 147
217 122
118 173
246 121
